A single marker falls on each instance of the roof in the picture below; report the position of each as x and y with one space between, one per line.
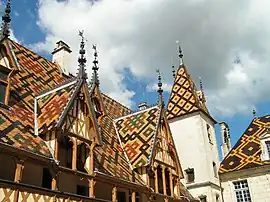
136 133
33 74
184 98
246 153
110 157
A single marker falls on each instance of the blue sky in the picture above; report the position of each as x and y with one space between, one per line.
27 30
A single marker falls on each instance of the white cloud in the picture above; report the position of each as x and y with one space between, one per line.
141 35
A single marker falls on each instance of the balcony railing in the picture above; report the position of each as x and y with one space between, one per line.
10 191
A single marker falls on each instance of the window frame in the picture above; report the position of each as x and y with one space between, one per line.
5 82
242 190
265 141
190 171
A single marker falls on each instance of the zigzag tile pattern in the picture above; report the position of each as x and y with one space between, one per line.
51 107
183 98
136 132
247 151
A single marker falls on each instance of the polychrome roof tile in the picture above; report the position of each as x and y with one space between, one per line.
136 132
246 153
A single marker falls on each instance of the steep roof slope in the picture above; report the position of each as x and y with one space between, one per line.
246 153
184 98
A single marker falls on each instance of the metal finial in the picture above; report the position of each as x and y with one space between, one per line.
160 90
82 59
6 19
173 71
95 66
254 113
181 55
201 88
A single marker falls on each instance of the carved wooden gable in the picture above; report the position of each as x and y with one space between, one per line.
80 119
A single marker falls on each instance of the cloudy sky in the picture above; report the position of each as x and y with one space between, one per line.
226 42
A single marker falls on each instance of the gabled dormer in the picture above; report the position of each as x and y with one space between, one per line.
265 144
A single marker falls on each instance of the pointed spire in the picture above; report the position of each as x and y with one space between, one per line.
95 66
160 90
201 88
254 113
181 55
6 19
82 60
173 71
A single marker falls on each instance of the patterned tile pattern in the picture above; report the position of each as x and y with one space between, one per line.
35 74
52 106
136 133
183 98
115 108
247 151
16 131
110 157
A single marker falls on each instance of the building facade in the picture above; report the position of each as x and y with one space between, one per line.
62 139
193 130
245 170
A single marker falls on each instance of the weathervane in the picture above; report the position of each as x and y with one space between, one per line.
82 59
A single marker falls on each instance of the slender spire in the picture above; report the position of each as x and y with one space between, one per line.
254 113
201 88
82 60
95 66
6 19
173 71
160 90
181 55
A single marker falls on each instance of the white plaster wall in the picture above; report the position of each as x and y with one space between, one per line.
259 186
208 191
62 58
194 150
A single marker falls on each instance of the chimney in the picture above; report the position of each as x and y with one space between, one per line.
142 106
61 56
226 139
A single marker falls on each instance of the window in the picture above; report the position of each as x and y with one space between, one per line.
121 196
3 87
209 133
242 191
130 197
267 143
215 169
202 198
46 179
82 190
190 175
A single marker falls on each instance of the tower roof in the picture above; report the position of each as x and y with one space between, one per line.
184 98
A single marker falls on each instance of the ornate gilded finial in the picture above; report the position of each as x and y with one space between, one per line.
6 19
201 88
160 90
82 59
95 66
254 113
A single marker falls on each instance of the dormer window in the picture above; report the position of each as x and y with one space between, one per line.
265 145
4 72
97 107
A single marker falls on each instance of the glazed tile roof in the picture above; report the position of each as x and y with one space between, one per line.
33 74
184 98
110 157
136 133
246 153
52 105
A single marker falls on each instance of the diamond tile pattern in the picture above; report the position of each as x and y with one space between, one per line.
184 98
136 132
247 151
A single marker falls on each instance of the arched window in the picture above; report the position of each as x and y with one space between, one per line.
160 181
167 180
82 154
